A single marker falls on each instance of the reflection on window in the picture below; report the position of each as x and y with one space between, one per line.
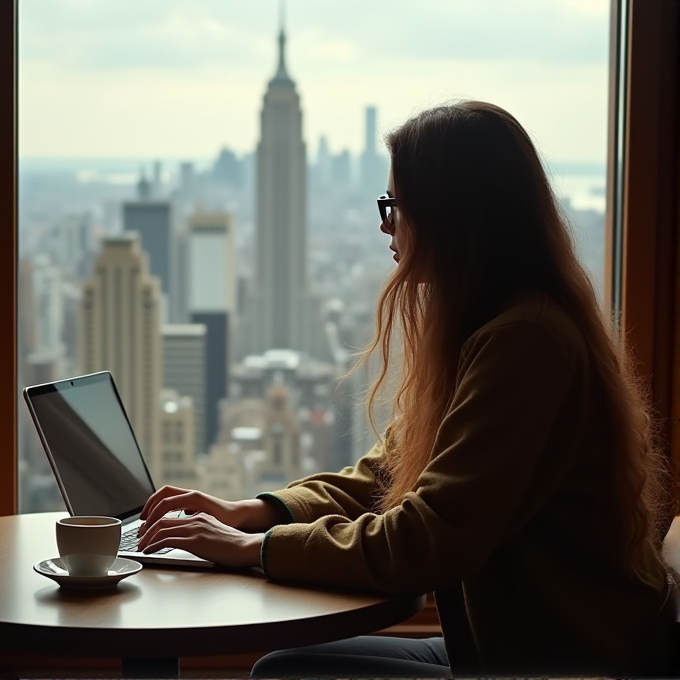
197 204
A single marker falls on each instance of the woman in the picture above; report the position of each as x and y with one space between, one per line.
517 479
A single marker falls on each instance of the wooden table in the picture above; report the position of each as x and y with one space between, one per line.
160 614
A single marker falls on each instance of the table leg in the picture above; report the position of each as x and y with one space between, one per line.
150 667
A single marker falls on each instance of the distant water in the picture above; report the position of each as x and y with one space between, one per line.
106 165
582 184
584 192
122 171
585 196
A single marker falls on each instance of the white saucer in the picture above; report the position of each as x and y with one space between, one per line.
120 569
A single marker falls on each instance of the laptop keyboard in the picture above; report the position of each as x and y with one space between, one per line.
129 541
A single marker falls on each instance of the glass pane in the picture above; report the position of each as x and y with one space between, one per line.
197 204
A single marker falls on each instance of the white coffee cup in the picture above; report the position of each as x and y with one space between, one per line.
88 545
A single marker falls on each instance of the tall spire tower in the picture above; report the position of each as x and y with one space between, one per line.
281 71
282 312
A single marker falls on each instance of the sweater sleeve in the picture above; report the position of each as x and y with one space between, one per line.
513 385
349 493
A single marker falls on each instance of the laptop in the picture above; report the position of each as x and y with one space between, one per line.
95 458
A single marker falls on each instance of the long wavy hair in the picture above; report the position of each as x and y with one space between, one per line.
480 223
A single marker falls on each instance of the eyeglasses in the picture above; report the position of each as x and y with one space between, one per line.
385 208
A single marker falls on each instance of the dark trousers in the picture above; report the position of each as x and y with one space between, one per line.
367 656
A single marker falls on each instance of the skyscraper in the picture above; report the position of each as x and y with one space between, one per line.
48 305
46 360
282 312
152 219
213 303
370 131
373 166
184 370
323 162
120 332
177 440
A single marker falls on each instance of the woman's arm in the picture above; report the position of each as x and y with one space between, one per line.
502 449
349 493
230 532
247 515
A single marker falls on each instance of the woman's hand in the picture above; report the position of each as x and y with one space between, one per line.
204 536
248 515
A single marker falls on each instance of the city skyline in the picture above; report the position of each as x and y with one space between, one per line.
158 80
190 248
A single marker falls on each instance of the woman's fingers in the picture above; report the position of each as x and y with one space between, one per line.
192 501
183 542
204 536
159 495
163 530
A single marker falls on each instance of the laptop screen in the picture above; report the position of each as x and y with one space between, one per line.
91 445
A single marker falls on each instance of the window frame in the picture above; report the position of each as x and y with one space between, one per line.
8 257
642 288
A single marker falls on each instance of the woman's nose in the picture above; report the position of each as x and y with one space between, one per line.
387 227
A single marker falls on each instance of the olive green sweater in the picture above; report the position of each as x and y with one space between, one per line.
510 506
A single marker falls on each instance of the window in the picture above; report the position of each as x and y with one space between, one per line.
646 309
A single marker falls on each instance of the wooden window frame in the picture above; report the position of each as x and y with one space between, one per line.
643 289
8 257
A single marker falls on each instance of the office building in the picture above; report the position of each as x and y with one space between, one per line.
228 169
282 312
223 474
266 434
177 440
46 285
153 220
120 332
157 185
323 163
212 302
374 167
291 400
35 364
73 245
281 439
341 170
45 359
187 178
184 370
72 295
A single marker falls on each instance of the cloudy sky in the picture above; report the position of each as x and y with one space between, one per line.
183 78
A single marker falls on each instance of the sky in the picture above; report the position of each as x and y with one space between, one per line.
185 78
